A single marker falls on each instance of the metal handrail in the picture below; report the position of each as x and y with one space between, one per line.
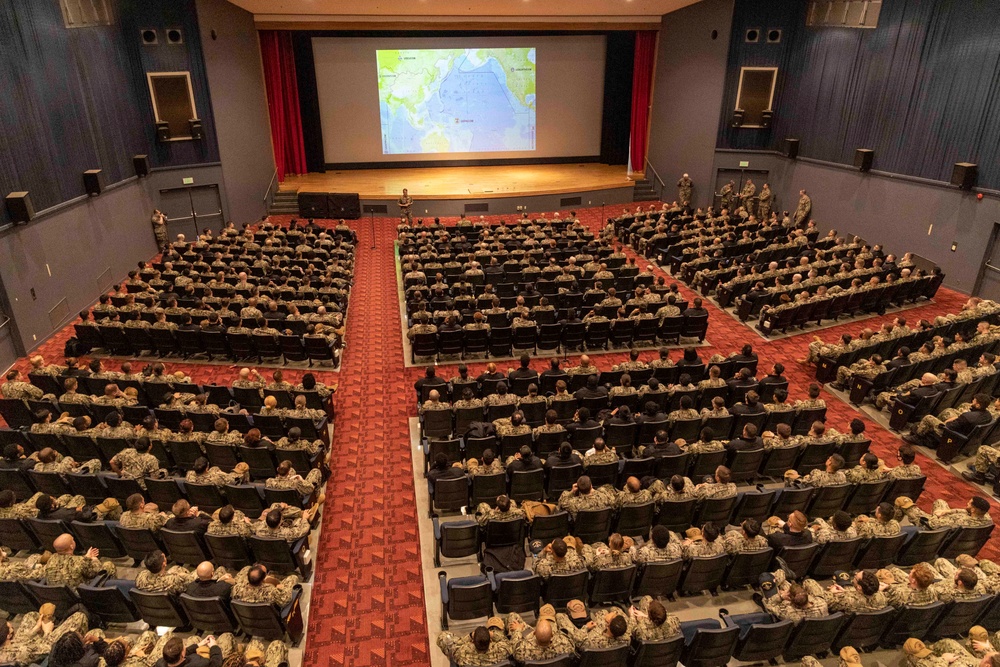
267 193
659 180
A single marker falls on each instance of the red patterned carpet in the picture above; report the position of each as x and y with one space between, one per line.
367 602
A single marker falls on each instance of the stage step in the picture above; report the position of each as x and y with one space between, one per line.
284 203
644 191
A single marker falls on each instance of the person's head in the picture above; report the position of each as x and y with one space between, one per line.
135 502
907 454
797 521
686 402
922 576
226 514
173 651
710 532
67 651
584 485
798 596
559 547
869 461
841 520
751 397
7 498
751 527
181 508
155 561
273 518
834 463
618 626
978 506
749 431
525 453
885 512
723 475
661 536
981 400
565 451
543 632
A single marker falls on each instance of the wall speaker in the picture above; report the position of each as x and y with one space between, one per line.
141 164
752 35
163 131
738 118
863 158
93 181
175 36
19 207
344 205
765 118
791 148
773 36
964 175
148 37
195 125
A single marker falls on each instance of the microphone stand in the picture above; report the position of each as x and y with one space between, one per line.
372 214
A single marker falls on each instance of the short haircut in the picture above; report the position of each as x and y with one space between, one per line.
559 547
618 625
226 513
968 577
869 582
481 639
981 504
751 527
907 454
154 561
841 520
923 575
838 461
723 474
133 502
173 648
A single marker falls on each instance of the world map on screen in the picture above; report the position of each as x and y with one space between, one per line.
456 100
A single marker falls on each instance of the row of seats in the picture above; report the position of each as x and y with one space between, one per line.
451 495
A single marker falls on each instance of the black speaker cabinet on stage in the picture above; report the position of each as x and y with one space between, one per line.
313 205
964 175
141 164
344 205
791 148
863 158
19 207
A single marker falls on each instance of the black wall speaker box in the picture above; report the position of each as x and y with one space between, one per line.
141 164
163 131
175 36
791 148
344 205
738 118
863 158
196 131
93 181
313 205
964 175
19 207
765 118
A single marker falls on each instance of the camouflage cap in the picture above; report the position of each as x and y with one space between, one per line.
916 648
904 503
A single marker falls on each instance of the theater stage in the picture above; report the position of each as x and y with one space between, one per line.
494 189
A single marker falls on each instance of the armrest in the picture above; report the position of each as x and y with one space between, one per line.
443 583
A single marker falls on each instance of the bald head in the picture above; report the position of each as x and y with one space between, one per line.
244 373
64 544
928 379
543 632
205 571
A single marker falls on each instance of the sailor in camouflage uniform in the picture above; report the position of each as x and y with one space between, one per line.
136 462
883 524
616 553
64 568
252 585
561 556
651 622
663 546
484 646
584 497
745 539
287 478
505 510
140 514
606 629
544 643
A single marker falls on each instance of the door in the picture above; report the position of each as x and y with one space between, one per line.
176 205
738 177
988 281
206 205
191 210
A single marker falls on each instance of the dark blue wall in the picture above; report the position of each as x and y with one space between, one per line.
77 99
922 89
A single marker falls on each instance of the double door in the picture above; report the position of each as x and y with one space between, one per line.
191 210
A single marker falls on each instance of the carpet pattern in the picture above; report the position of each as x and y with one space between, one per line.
367 605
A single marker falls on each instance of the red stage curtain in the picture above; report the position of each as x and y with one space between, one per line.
283 102
642 83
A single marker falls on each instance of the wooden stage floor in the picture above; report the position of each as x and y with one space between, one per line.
466 182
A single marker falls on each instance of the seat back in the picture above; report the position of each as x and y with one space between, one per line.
959 616
51 483
612 656
836 556
518 592
880 552
561 588
911 488
593 525
211 615
863 629
967 540
923 547
612 584
668 466
663 653
486 488
184 546
705 464
17 599
17 482
677 515
799 558
527 485
745 567
109 603
275 553
710 647
659 579
121 488
562 478
603 473
138 542
828 499
207 497
635 520
230 551
745 464
715 510
813 636
686 429
754 505
866 496
616 435
259 619
451 494
458 539
467 598
704 573
99 535
63 597
260 460
911 620
792 499
47 530
763 642
548 527
814 457
16 535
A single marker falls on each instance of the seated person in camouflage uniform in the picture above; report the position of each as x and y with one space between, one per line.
838 529
287 523
36 635
136 462
867 470
788 601
957 584
745 539
75 510
616 553
633 494
484 646
286 478
489 465
679 488
947 652
202 473
883 524
140 514
156 577
582 496
702 541
65 568
793 532
718 486
831 476
650 621
543 643
975 514
914 587
505 510
560 556
229 521
255 584
15 387
907 469
850 593
599 454
605 630
663 546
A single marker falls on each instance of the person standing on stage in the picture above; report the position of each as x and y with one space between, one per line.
405 204
159 221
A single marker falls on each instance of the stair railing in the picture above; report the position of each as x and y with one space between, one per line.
659 192
271 184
